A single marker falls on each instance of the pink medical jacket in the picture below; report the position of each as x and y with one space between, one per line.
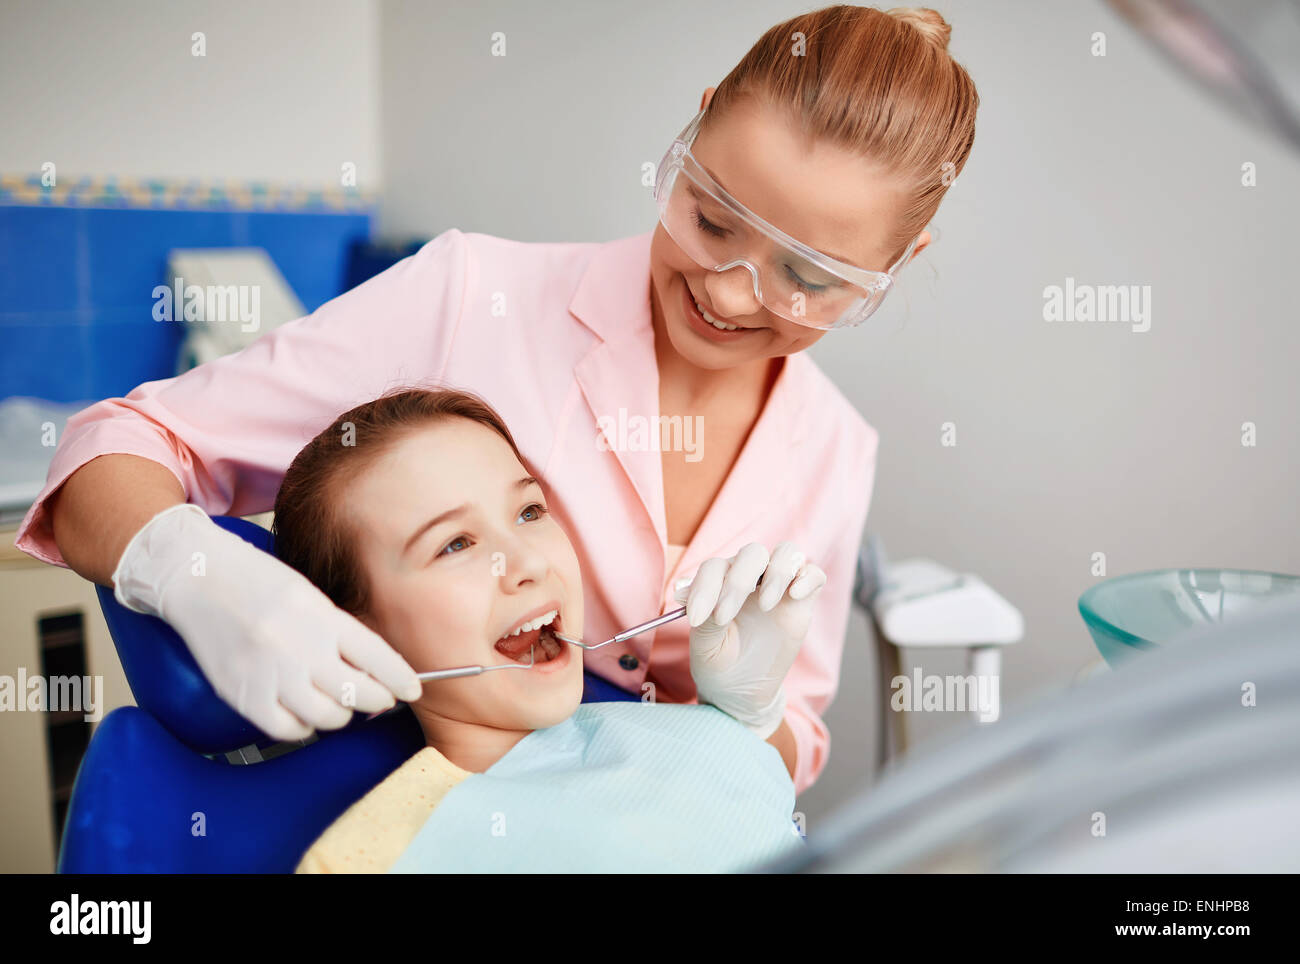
554 336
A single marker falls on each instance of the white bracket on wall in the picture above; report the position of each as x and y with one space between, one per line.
226 298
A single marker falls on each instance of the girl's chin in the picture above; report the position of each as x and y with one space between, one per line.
554 711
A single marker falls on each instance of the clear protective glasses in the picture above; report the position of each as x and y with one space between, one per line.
791 280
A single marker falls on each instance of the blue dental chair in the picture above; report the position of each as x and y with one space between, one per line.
155 792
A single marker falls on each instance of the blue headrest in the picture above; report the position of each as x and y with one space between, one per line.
165 678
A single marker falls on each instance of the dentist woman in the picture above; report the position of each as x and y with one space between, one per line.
787 208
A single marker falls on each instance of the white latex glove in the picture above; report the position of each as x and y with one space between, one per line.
744 641
272 645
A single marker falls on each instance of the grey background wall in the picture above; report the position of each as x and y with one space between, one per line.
1072 439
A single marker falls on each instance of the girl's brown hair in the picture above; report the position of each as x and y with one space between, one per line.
311 533
879 83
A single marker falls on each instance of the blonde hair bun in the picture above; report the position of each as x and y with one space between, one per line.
929 22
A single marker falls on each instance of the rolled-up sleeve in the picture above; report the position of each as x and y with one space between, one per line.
229 429
815 675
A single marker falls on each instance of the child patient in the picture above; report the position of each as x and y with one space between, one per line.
417 514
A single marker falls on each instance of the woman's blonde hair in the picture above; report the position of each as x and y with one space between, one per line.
879 83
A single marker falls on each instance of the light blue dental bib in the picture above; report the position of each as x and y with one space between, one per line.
617 788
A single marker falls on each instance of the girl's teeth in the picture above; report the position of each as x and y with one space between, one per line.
537 623
714 321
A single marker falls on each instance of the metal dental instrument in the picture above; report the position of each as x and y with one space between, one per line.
628 633
475 670
459 671
636 630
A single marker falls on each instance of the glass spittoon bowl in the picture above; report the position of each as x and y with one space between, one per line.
1145 610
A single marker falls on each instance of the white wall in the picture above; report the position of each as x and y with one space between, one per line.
287 92
1072 439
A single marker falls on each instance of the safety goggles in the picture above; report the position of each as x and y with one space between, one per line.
791 280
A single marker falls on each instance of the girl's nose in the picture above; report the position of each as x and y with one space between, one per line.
521 562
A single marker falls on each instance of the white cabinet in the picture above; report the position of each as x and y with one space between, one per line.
29 592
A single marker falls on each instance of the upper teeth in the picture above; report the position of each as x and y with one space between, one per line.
714 321
532 624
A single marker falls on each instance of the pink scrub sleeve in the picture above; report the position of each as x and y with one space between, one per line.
229 429
814 677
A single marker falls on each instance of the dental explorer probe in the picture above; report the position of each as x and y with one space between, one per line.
475 670
459 671
628 633
636 630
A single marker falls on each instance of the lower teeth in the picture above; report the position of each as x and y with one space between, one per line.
544 650
548 647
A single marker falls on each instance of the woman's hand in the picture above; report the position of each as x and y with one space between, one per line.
272 645
745 635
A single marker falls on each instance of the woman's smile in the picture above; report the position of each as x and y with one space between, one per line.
702 326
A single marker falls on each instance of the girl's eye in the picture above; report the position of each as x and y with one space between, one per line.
459 540
707 226
531 513
537 509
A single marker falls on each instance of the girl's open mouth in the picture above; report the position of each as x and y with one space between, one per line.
548 647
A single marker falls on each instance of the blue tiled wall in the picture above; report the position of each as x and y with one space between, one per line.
76 286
